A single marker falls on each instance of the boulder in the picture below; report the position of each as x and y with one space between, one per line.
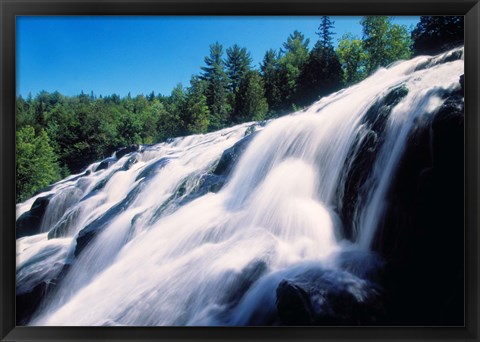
328 297
106 163
88 233
153 168
361 157
27 303
126 150
29 223
422 233
231 156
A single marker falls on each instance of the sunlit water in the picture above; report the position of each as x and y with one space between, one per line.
166 262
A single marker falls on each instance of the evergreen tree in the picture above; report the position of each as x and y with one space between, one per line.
217 83
325 32
197 114
434 34
270 71
151 96
322 73
251 101
294 56
36 162
25 112
171 123
148 120
238 62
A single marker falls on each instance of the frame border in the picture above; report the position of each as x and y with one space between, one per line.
9 9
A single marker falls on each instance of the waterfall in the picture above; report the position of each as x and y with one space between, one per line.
162 236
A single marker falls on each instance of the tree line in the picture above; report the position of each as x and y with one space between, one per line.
59 135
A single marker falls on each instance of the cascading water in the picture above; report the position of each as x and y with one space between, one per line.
159 237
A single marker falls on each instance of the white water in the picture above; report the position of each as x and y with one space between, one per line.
180 266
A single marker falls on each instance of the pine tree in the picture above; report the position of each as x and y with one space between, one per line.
322 73
217 84
434 34
325 32
238 62
294 56
237 65
251 101
270 71
197 114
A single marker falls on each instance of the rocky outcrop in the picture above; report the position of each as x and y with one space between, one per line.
422 234
29 223
231 156
328 297
126 150
106 163
87 234
361 157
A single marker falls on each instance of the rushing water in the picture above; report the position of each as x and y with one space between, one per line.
166 253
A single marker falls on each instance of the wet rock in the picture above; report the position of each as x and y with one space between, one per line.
153 168
29 223
27 303
126 150
231 156
293 304
447 57
328 297
106 163
87 234
363 264
361 157
65 225
130 162
242 282
422 233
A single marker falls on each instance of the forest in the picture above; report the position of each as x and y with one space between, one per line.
59 135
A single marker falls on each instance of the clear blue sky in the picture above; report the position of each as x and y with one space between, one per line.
109 55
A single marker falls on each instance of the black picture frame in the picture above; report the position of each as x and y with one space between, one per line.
9 9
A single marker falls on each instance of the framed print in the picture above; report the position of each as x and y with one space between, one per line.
255 171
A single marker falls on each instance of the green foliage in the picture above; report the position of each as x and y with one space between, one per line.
197 114
237 64
170 123
73 132
217 86
251 102
294 56
375 41
322 72
434 34
270 71
384 42
325 32
399 43
352 58
36 162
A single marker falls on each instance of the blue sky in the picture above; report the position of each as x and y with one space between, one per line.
109 55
